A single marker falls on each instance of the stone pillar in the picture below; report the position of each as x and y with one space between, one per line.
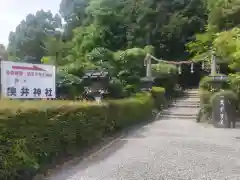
148 67
213 65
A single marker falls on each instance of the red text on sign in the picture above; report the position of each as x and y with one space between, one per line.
36 74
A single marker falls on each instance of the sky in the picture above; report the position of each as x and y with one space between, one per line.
14 11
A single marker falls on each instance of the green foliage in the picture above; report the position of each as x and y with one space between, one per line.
166 76
221 34
131 89
48 60
227 47
205 96
68 85
117 25
130 62
73 13
205 111
229 94
201 46
27 40
35 133
163 69
115 88
3 52
110 35
158 94
234 80
223 14
75 68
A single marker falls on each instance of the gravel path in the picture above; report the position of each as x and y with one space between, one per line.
166 149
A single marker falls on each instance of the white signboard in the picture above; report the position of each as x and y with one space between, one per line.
25 80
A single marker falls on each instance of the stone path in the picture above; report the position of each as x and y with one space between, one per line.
174 147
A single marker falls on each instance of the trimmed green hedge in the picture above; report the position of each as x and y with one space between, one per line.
205 96
158 94
234 81
227 93
166 76
35 133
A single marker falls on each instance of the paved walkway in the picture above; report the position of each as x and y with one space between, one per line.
169 148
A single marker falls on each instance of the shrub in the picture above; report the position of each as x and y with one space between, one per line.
68 85
130 89
166 76
229 94
115 88
205 96
205 106
158 94
35 133
234 80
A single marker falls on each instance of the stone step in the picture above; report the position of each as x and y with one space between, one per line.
185 105
186 102
189 97
192 92
193 113
177 117
181 110
192 96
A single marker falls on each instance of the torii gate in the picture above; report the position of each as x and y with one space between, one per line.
148 64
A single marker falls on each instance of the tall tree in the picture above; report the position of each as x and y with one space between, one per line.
167 25
223 14
74 13
3 52
27 42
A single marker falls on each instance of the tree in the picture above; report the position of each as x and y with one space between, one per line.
3 52
227 46
73 12
223 14
27 40
201 47
164 24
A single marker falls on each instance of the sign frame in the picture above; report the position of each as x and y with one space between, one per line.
20 80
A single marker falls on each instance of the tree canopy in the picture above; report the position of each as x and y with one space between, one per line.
27 42
221 33
115 25
112 35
